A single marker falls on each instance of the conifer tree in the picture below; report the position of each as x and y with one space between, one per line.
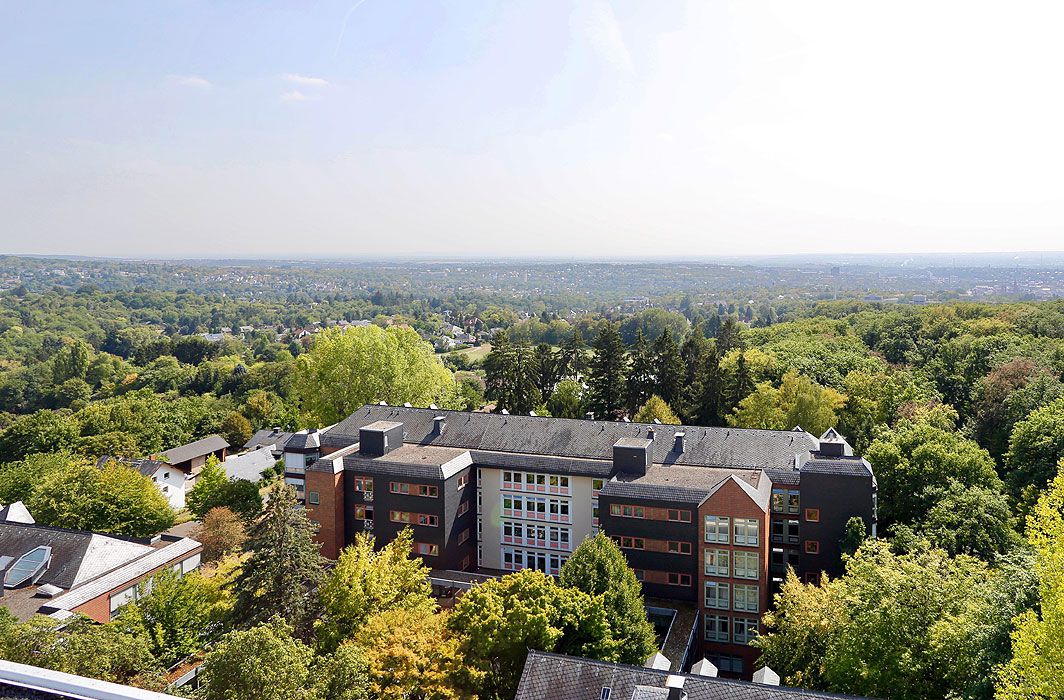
284 563
668 368
693 355
641 378
573 354
606 377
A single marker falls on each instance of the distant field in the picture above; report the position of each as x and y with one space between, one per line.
474 354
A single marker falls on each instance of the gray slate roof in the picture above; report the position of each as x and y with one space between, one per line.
559 677
147 467
76 555
250 465
582 439
267 437
199 448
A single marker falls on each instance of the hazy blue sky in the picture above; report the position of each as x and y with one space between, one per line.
530 128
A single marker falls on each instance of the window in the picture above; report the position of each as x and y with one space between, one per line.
716 563
792 502
631 511
596 486
605 694
785 531
427 550
615 509
680 547
726 664
428 520
717 627
362 514
463 536
718 595
398 516
313 498
463 481
812 547
812 577
812 515
679 516
463 508
364 483
399 487
745 629
639 574
746 597
746 532
427 491
717 528
675 579
633 543
747 565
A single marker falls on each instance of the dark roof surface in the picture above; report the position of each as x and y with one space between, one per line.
303 441
267 436
582 439
147 467
847 466
199 448
559 677
68 549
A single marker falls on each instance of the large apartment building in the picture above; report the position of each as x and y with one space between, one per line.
712 516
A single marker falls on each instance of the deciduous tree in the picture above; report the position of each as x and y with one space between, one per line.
599 568
365 582
265 662
655 409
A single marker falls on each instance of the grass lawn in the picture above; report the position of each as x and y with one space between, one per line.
474 354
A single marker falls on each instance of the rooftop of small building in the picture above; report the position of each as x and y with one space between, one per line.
196 448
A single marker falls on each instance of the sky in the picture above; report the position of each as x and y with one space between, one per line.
546 128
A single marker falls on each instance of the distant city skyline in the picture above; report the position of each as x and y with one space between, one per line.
613 130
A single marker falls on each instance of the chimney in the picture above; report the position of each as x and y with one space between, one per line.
631 455
650 433
438 424
678 445
675 685
590 415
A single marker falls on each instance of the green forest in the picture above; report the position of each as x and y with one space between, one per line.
958 406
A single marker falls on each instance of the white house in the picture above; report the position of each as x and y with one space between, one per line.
170 480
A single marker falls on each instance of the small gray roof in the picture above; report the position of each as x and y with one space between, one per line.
198 448
846 466
561 677
250 465
268 437
304 440
147 467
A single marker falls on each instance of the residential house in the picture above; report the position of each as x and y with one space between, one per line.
60 572
169 479
249 466
192 457
710 516
298 449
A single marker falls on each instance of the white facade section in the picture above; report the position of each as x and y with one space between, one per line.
171 483
529 519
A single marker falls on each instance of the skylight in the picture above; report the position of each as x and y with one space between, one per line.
29 566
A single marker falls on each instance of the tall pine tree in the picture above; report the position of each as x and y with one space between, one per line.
641 378
668 368
693 355
574 356
607 388
283 566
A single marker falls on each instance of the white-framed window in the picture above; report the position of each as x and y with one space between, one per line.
747 532
718 595
747 597
717 527
747 564
717 562
718 628
744 629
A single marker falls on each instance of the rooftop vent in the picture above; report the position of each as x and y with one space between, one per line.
704 667
766 676
532 413
678 444
438 424
675 686
407 405
658 661
433 406
49 590
504 412
650 433
590 415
